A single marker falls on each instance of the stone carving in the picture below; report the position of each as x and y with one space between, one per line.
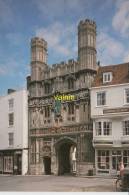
46 151
35 119
41 116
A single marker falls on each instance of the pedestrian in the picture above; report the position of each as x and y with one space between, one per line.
121 168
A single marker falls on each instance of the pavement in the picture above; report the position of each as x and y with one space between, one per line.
48 183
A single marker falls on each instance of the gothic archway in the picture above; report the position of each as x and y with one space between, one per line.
47 165
47 160
65 149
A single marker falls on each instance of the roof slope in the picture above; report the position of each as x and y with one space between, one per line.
120 74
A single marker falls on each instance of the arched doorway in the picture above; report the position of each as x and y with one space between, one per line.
47 165
65 149
47 159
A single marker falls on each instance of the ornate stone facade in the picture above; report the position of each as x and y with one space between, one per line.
61 143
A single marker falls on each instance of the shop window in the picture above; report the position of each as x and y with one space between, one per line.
126 158
103 159
116 159
8 164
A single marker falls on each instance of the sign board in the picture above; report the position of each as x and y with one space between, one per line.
115 110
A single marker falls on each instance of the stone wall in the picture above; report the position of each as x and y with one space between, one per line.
36 169
83 168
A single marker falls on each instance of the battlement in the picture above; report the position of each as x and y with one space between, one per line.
63 64
37 41
62 68
86 54
87 22
59 65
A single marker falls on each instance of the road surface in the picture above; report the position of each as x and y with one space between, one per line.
56 183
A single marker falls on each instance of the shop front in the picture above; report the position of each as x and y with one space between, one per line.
11 162
108 160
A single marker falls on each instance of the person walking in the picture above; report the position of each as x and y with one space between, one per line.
121 168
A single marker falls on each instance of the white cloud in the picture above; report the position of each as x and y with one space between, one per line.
126 56
61 39
12 67
55 9
120 20
109 49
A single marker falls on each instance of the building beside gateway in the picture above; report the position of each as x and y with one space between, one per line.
14 132
110 114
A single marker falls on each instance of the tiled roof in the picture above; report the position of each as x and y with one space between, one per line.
120 74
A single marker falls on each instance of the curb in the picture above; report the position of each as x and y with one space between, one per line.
77 176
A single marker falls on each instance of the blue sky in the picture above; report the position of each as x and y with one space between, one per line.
56 21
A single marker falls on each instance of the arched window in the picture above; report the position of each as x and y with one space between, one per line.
71 108
70 83
47 88
47 111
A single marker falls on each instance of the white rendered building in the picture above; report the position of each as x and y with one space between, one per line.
110 114
14 133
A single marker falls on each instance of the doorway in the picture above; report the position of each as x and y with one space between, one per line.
116 159
47 165
66 161
19 164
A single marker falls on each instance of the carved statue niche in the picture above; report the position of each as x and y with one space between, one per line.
46 151
35 119
41 117
65 106
32 123
32 118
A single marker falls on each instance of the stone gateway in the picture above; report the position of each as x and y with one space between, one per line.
61 143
